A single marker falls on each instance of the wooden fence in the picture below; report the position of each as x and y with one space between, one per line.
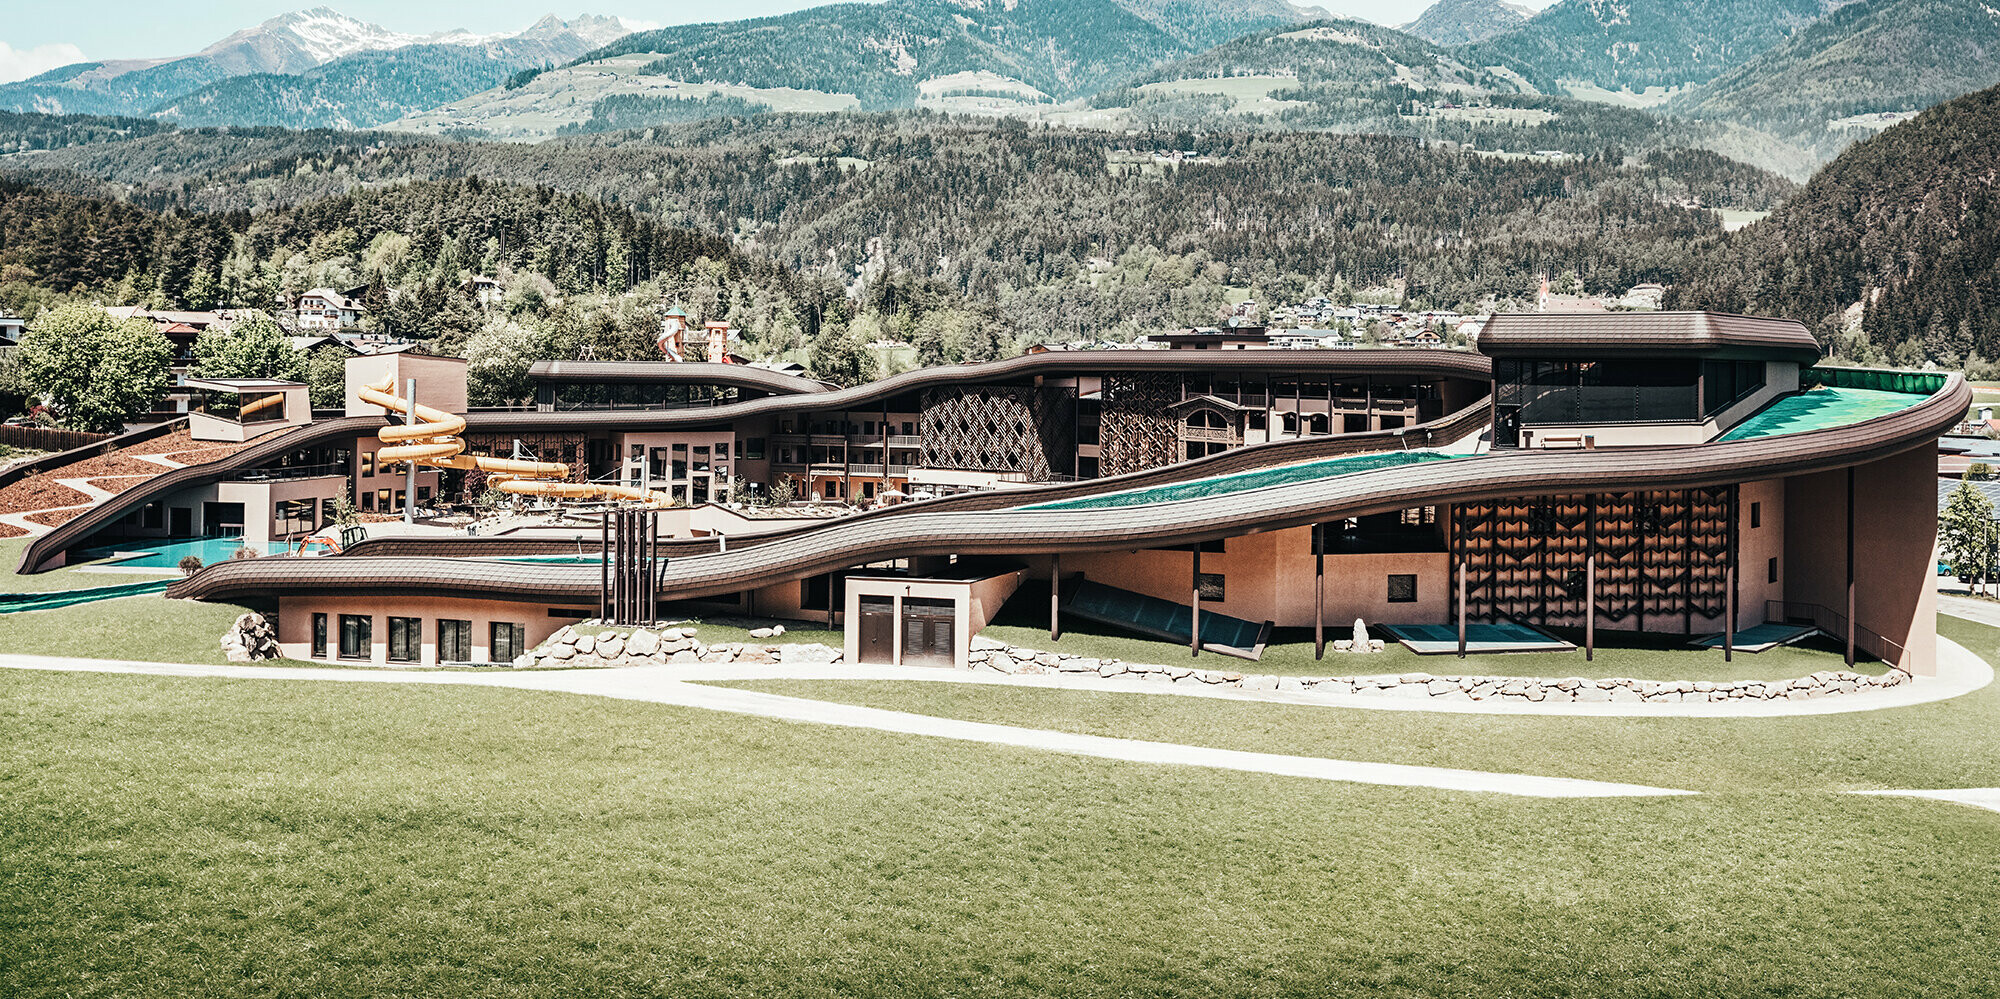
46 439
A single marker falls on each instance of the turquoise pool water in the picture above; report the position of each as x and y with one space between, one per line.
550 559
163 554
1243 481
1819 409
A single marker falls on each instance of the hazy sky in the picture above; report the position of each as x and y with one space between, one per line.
39 35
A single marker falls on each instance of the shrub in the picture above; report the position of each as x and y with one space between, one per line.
241 553
190 564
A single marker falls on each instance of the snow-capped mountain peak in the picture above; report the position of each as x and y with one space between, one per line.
302 39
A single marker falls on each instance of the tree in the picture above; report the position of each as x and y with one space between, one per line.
841 356
326 377
96 372
254 347
1966 532
498 358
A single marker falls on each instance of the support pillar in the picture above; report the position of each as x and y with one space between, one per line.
1461 608
1319 590
1194 614
1590 579
1055 598
604 569
1850 565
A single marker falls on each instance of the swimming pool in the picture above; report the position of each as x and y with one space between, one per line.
163 554
1325 468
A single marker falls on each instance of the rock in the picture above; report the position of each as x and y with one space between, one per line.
1001 662
1343 645
1375 645
1290 683
586 644
1596 695
642 643
1439 687
611 649
561 652
761 633
777 630
1081 665
1360 640
525 660
1110 669
1260 683
1622 695
981 643
684 656
1414 678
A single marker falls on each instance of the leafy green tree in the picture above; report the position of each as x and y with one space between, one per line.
96 372
1966 530
840 355
326 377
498 358
253 347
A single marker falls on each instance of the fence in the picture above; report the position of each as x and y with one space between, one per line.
1834 624
47 439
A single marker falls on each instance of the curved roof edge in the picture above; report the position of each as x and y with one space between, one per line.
1591 334
676 373
859 540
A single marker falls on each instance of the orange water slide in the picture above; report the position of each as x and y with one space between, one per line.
434 441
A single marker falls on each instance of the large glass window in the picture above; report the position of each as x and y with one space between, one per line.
357 636
406 639
509 641
1607 391
319 636
454 641
1725 383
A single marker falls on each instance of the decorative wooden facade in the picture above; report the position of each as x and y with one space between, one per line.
1662 558
999 428
1138 429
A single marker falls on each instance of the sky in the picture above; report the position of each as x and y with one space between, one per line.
37 36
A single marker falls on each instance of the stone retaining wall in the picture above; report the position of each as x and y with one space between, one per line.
589 645
1001 658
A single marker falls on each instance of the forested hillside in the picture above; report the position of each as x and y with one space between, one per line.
1636 44
1459 22
1900 233
1013 217
882 53
1855 65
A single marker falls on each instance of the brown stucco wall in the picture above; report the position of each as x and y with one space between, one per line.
1895 530
295 622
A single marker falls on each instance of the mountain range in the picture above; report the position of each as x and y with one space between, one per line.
292 45
1461 22
1784 84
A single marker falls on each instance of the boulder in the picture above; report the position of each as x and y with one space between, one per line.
525 660
642 643
611 648
777 630
560 652
684 656
586 644
761 633
1260 683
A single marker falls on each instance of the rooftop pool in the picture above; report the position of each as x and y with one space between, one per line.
1222 485
1820 409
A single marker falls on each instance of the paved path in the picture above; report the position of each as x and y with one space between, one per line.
1983 611
1978 797
659 687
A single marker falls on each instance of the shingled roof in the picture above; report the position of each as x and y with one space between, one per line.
1606 334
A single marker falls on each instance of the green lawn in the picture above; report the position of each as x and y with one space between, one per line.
1954 743
68 578
168 836
1634 657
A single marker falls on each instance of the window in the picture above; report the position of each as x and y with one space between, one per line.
367 501
368 463
383 501
1756 515
326 509
155 516
1206 419
701 458
1771 571
423 495
1209 584
454 641
357 636
1402 588
721 453
406 639
638 451
509 641
753 447
319 636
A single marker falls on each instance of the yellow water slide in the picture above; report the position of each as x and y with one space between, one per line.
434 441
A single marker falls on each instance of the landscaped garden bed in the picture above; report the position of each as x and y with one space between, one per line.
38 492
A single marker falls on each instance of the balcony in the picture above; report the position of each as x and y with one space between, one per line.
333 468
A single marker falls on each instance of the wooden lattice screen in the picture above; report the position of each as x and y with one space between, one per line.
1662 558
1138 430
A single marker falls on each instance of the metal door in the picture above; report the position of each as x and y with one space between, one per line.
878 630
928 626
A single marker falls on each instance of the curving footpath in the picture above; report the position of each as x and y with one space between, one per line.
658 687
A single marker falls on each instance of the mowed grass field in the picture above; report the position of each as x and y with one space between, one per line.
170 836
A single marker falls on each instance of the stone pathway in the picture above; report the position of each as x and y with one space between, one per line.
659 686
36 529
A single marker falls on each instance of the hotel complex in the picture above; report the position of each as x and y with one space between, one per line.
1583 475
